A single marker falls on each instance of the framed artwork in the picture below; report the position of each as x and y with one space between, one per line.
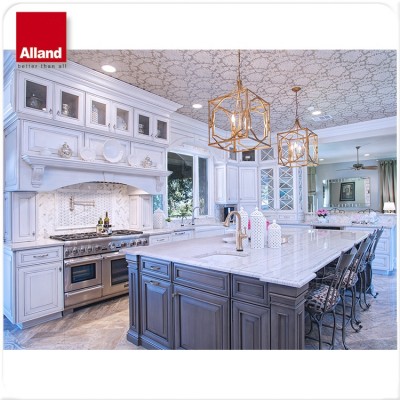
347 191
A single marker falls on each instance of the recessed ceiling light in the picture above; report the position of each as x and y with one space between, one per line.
197 105
108 68
316 112
366 154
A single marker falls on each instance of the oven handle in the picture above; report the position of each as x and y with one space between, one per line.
113 255
69 294
80 260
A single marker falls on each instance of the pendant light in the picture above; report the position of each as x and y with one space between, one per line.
239 121
297 147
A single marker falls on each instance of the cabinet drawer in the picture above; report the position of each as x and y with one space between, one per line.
287 217
383 246
42 255
250 289
153 267
200 278
159 239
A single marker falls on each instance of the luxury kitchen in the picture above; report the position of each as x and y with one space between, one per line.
201 199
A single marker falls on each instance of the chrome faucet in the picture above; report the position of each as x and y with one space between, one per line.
193 218
239 234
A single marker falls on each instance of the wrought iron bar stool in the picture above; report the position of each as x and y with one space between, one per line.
322 299
349 284
369 287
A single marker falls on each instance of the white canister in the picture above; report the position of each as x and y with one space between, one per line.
158 219
244 223
274 235
257 222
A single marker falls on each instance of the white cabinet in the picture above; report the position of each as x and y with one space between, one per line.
248 184
33 285
181 235
151 127
108 116
226 184
19 217
46 99
159 239
140 212
385 252
282 193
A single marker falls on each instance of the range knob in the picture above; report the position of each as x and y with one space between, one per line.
144 242
111 246
138 242
124 244
133 243
82 250
97 248
89 249
74 250
66 253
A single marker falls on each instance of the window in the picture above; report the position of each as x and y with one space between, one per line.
187 185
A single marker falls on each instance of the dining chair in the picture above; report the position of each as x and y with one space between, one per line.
322 299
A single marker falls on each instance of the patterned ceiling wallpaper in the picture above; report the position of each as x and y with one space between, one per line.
349 85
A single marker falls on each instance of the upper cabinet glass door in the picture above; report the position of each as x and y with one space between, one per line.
35 96
69 105
161 131
143 125
122 117
286 188
98 113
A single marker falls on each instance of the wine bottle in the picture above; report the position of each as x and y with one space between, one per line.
106 220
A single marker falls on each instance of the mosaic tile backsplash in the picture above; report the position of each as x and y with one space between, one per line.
57 214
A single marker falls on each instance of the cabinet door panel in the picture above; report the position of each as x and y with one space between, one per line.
40 291
156 308
201 320
248 184
250 327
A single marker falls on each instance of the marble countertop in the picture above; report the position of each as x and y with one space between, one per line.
33 245
294 264
385 224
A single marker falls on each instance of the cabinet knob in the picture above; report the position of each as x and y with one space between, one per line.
33 233
109 125
114 126
58 113
60 269
154 283
51 111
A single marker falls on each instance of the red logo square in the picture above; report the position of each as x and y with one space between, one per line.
41 37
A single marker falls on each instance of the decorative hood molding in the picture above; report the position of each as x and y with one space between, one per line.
50 173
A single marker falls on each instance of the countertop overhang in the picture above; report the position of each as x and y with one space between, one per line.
294 264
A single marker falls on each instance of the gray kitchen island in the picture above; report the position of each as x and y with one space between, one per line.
203 294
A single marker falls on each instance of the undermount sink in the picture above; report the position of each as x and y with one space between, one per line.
224 256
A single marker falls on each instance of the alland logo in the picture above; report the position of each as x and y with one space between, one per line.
41 37
29 53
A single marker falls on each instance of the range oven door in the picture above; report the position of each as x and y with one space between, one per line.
115 274
82 280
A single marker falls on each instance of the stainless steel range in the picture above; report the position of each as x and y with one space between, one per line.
94 267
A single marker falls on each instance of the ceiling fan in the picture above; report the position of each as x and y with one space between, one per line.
357 166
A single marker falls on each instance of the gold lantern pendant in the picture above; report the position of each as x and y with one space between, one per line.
239 121
297 147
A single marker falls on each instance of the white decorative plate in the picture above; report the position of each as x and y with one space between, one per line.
87 154
113 151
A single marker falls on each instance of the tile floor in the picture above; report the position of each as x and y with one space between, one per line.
104 326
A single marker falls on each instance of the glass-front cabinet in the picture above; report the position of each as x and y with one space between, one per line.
282 193
35 96
109 116
151 127
49 100
69 105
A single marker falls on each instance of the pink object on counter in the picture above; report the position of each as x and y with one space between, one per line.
267 223
249 225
